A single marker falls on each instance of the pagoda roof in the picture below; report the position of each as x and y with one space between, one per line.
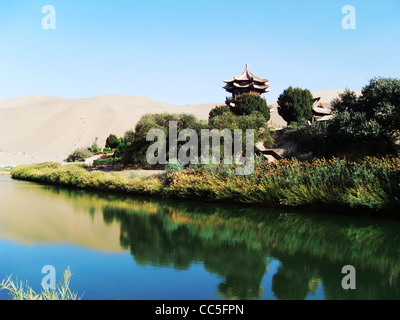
246 76
232 86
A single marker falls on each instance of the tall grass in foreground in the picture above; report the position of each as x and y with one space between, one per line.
20 291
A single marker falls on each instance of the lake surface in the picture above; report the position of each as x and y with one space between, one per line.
124 247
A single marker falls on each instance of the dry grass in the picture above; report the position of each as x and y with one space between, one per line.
22 291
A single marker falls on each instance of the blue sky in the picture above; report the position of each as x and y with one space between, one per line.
179 51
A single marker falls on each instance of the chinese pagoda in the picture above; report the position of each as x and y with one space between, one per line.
245 83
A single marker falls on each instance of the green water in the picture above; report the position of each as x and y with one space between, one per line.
124 247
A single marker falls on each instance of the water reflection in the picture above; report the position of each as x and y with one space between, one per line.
238 244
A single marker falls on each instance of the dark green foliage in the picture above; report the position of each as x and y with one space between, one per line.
122 146
353 133
129 137
248 103
112 141
295 105
365 125
255 121
381 102
309 139
347 101
380 92
135 153
218 111
108 161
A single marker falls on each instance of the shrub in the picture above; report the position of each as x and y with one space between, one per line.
112 141
108 161
369 124
80 154
295 105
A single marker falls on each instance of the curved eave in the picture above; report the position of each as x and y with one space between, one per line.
251 86
229 81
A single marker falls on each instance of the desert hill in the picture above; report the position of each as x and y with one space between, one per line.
45 128
41 128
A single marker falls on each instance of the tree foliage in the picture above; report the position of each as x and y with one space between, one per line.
363 125
218 111
112 141
248 103
295 105
135 152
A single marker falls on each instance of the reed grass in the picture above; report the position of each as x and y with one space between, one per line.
370 184
19 290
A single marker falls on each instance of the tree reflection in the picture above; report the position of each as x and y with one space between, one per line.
238 243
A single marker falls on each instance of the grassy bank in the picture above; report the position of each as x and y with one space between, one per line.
370 186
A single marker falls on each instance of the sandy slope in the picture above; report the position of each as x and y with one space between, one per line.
43 128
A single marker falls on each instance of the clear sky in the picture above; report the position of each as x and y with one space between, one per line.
179 51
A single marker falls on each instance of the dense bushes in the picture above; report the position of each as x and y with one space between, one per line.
367 125
135 152
112 141
107 161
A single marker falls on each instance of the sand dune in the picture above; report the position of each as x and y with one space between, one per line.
44 128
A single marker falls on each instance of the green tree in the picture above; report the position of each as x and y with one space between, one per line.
381 102
218 111
295 105
112 141
370 123
136 152
347 101
248 103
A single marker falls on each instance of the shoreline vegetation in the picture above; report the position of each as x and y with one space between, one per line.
19 290
369 186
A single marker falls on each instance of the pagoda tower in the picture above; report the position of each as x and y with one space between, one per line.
245 83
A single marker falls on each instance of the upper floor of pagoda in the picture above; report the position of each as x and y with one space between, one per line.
246 82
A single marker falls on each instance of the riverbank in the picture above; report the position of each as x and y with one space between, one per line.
370 186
